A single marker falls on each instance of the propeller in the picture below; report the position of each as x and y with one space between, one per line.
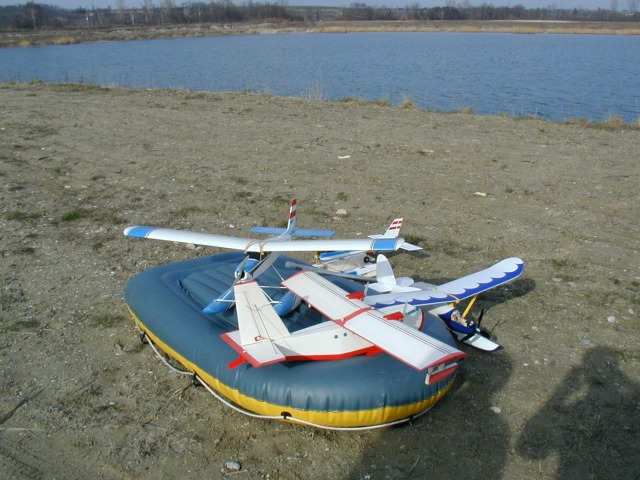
484 333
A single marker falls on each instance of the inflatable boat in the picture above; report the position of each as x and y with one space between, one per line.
361 391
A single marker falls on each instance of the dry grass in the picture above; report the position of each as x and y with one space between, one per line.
498 26
72 36
613 123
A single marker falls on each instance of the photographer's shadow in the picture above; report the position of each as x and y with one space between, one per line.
591 423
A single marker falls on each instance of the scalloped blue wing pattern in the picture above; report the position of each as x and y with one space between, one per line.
456 290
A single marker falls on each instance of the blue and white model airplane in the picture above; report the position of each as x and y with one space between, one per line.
281 240
389 291
361 262
285 240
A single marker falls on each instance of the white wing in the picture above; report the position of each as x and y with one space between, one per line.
397 339
263 245
456 290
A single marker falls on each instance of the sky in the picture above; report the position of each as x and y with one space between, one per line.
568 4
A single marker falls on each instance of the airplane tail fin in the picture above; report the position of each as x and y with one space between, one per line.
384 273
393 231
386 279
292 230
293 217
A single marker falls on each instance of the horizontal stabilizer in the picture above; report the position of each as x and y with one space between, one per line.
259 325
409 247
257 354
257 319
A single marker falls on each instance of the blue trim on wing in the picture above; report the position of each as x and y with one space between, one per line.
455 290
140 232
388 244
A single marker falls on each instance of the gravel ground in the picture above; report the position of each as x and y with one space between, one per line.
82 397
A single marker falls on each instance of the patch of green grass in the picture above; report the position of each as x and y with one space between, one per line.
239 180
242 195
22 325
21 216
75 214
571 235
561 262
184 211
450 248
609 298
25 250
627 355
278 199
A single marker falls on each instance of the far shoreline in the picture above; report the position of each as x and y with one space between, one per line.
42 37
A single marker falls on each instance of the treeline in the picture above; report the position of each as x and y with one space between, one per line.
465 11
34 15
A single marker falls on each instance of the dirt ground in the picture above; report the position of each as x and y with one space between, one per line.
82 397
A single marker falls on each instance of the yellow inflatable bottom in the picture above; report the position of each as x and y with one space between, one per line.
385 416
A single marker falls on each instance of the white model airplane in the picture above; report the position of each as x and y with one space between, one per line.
389 291
283 242
360 262
355 328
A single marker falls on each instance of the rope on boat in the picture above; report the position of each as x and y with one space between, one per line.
288 417
164 360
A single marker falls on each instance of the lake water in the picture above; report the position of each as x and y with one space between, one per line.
553 76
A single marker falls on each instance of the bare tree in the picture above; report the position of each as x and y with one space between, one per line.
33 12
167 9
121 6
147 7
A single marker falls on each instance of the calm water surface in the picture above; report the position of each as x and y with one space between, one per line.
553 76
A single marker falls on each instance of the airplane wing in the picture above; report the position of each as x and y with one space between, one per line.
407 344
456 290
263 245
